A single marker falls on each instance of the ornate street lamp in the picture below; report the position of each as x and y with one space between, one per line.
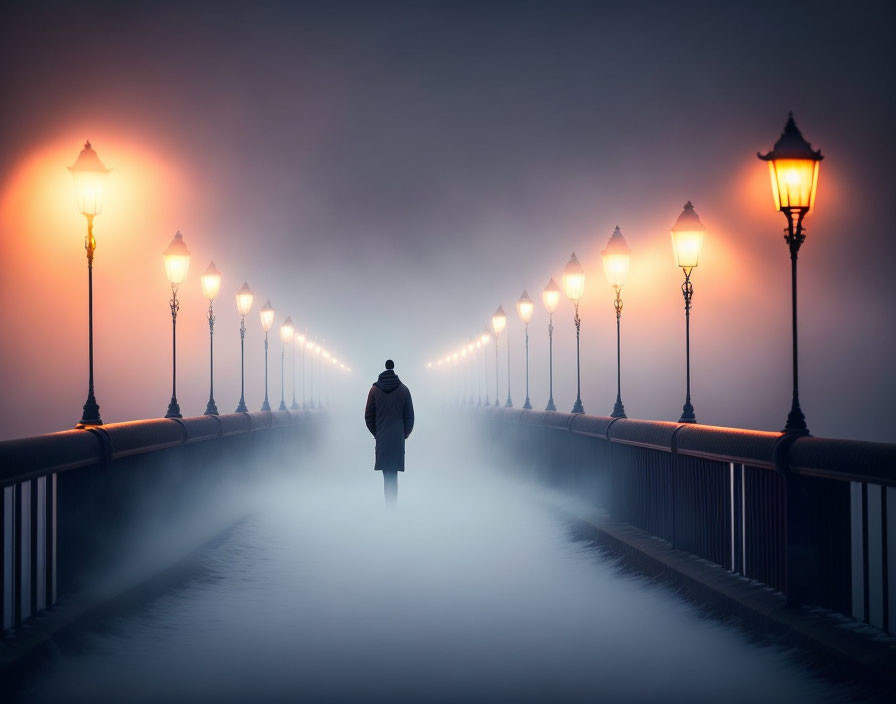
300 341
617 257
177 262
687 241
499 322
267 322
525 308
550 297
484 338
574 286
286 331
244 299
793 166
89 175
211 285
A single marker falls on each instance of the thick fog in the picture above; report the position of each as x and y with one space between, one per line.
389 173
470 589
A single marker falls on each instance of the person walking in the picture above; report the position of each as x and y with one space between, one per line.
389 416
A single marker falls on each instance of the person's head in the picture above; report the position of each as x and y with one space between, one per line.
390 364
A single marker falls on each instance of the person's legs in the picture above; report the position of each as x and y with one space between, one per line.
390 486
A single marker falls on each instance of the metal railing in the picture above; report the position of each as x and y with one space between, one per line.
810 517
64 493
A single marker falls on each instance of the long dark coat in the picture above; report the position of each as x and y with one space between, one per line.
390 419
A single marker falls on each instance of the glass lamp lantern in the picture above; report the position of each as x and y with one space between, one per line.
499 321
267 316
211 282
550 296
616 258
574 279
687 238
89 174
177 260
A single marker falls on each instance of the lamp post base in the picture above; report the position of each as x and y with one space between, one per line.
266 406
550 406
527 406
687 414
294 406
282 406
90 415
242 407
618 410
796 421
173 409
508 403
212 408
578 407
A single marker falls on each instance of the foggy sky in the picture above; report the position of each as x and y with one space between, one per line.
388 173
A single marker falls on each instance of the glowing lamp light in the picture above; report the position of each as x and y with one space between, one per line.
286 331
211 282
177 260
300 338
89 174
267 316
616 257
687 238
244 299
550 297
574 279
499 321
485 337
525 307
793 167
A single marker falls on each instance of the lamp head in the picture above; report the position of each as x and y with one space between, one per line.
793 166
525 308
499 321
574 279
687 238
616 257
550 297
177 260
286 330
267 316
211 282
89 175
244 299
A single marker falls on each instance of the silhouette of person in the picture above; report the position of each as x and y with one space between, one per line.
390 419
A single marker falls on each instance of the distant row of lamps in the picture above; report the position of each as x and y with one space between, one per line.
793 166
89 175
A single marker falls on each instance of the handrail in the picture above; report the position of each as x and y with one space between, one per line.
22 459
828 458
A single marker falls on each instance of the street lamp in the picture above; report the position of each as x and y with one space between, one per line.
525 308
574 286
320 403
177 262
309 345
89 175
499 322
484 338
616 258
550 297
300 340
286 331
793 166
687 241
267 322
211 285
244 299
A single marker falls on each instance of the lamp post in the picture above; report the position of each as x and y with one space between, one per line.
499 322
484 339
211 285
309 345
267 322
616 258
320 403
244 299
478 374
687 241
286 331
89 175
300 341
525 308
793 166
177 261
550 296
574 286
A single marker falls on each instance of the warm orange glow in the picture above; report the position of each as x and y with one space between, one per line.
267 316
574 279
616 258
525 308
286 331
211 282
550 297
89 174
687 238
177 260
499 321
300 338
485 337
244 299
794 182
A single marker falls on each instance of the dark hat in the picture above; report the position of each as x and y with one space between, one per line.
390 364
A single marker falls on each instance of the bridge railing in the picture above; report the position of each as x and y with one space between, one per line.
66 497
813 518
